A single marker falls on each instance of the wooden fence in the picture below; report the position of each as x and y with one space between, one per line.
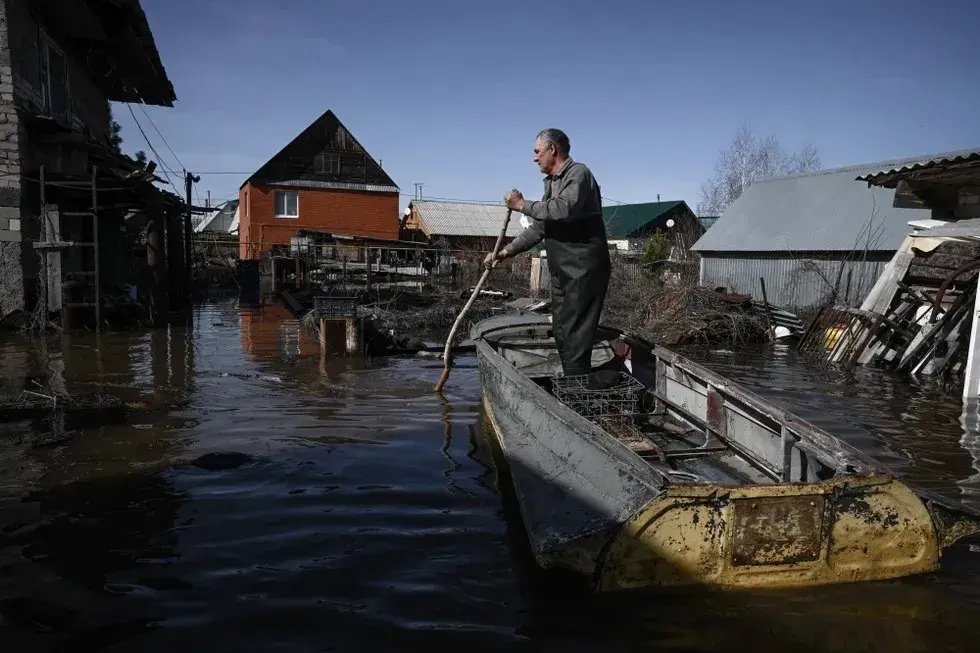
427 270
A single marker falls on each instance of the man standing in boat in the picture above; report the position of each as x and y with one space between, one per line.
569 219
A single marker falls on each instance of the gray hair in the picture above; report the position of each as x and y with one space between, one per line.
556 137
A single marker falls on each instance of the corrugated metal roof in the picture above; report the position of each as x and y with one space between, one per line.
466 218
827 210
946 158
222 219
331 185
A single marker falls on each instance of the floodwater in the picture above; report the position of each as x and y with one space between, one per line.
256 499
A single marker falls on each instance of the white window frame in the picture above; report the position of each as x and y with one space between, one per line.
326 164
45 47
275 204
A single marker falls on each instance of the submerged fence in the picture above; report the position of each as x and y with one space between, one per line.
423 269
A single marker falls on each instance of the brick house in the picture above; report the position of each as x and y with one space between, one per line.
324 180
61 63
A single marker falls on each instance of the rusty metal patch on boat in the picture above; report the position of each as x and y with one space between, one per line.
777 530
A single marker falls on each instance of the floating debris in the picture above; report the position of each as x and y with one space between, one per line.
31 404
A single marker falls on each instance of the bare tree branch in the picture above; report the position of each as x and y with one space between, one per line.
746 160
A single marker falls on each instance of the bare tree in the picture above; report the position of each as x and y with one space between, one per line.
746 159
805 160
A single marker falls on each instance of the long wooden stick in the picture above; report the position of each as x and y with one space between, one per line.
446 354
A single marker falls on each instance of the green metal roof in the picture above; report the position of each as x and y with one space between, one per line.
624 219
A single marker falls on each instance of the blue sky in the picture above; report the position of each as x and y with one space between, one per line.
451 94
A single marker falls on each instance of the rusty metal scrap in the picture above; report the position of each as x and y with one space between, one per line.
843 530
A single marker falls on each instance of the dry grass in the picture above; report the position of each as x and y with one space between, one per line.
666 308
669 308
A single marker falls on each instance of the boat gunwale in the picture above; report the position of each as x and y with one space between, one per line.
815 435
825 442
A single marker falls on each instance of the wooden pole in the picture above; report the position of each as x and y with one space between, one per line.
156 258
353 332
323 337
48 237
765 301
367 267
175 260
446 354
95 229
189 181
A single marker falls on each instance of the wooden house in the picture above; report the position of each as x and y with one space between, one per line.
458 226
61 64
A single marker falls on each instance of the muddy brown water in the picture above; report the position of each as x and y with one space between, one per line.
254 499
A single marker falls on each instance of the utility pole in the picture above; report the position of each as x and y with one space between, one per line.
189 181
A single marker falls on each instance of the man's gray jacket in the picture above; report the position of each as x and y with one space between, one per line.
569 219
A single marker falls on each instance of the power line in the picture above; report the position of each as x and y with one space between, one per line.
165 142
162 138
152 149
214 172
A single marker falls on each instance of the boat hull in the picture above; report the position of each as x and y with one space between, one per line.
758 536
570 479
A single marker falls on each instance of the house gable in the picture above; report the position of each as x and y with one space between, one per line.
324 155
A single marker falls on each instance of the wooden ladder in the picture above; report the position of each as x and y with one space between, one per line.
55 244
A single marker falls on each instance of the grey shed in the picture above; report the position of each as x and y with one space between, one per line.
806 233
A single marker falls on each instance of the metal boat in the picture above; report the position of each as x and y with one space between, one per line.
653 470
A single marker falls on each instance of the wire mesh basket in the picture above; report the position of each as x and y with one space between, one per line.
335 305
602 398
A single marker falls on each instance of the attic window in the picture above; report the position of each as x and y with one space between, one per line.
327 164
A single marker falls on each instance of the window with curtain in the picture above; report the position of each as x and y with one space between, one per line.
287 204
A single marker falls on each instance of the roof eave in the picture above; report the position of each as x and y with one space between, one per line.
890 178
116 45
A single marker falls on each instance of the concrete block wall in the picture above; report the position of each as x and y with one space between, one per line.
11 245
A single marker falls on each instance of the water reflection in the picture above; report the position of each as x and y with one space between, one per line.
270 333
258 497
971 442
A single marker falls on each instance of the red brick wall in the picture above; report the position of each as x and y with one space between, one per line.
354 213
